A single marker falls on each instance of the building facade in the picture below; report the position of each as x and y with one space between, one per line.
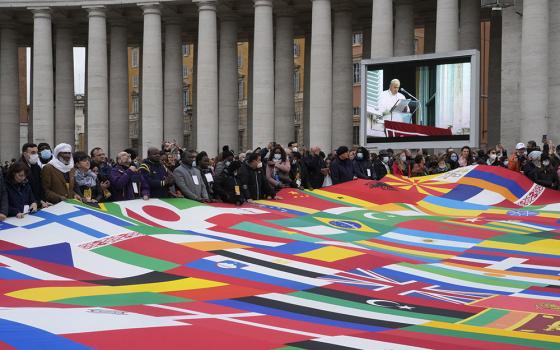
145 39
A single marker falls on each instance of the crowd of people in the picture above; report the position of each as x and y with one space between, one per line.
43 177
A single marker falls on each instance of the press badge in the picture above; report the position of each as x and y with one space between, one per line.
237 190
135 188
195 180
369 172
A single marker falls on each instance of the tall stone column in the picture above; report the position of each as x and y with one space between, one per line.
9 98
173 121
284 80
306 88
97 81
510 104
263 75
382 29
404 31
228 94
207 79
342 93
152 80
43 77
320 99
64 87
118 87
534 70
494 79
447 25
469 35
554 72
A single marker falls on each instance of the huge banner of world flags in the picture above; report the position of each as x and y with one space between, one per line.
464 260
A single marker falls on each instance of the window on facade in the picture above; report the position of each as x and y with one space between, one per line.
135 104
357 38
240 89
186 50
296 49
135 81
135 56
356 135
296 81
186 98
185 71
239 61
356 111
357 76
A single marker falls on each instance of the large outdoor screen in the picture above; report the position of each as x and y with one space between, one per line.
428 101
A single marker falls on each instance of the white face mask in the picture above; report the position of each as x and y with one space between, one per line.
403 158
277 156
385 159
193 163
33 159
546 162
294 149
259 165
360 155
228 163
493 156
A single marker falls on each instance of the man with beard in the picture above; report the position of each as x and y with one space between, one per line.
156 175
30 158
59 174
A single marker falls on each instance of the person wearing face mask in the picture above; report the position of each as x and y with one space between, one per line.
58 176
546 175
492 158
254 185
381 165
228 184
30 158
518 159
156 175
363 167
126 182
278 168
442 166
227 158
45 154
401 165
293 147
188 178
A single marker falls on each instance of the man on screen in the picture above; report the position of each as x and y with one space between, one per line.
389 98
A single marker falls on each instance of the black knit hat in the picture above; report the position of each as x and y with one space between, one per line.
341 150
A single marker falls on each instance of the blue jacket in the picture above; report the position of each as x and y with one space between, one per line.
154 175
19 195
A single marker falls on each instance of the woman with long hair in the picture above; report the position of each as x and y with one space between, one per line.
278 168
401 166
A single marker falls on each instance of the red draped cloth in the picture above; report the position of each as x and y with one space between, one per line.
396 129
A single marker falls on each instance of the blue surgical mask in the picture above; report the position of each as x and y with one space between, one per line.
454 157
360 155
46 154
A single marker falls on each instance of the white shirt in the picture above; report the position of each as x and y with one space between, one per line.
387 100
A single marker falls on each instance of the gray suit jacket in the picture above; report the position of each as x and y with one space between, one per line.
184 180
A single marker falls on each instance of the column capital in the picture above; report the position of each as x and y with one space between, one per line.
151 8
263 3
206 5
40 12
96 11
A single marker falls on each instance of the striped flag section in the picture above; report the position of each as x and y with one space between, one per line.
464 260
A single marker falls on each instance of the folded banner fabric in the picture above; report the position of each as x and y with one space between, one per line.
469 259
